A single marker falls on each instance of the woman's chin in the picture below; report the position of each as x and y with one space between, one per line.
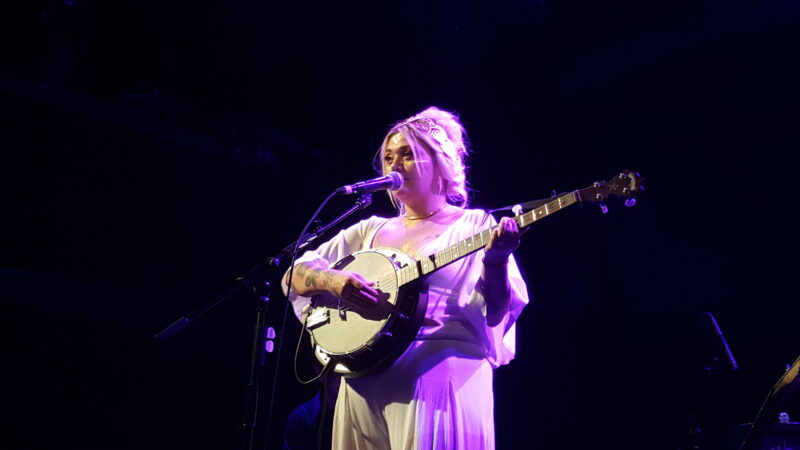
401 193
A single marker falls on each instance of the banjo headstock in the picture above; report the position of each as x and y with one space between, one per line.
626 185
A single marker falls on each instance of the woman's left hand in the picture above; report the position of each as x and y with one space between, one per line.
504 240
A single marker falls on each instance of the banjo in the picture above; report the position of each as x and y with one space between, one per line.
359 341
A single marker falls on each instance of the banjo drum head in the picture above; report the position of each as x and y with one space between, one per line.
340 329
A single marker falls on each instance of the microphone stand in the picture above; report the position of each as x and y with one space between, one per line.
695 438
256 279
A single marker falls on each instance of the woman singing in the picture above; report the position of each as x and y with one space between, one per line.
438 394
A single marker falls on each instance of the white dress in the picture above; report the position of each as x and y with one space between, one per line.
438 394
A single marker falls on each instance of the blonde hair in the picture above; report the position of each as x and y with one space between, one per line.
442 134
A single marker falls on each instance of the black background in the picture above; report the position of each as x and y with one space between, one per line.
154 151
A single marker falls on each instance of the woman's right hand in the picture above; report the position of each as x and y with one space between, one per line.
352 288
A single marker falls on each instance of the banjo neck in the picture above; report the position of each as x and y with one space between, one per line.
436 261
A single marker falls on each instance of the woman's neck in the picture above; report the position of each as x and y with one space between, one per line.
424 208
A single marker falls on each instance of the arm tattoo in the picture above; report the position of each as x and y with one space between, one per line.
311 279
326 279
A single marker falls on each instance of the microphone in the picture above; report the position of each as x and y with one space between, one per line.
725 348
392 181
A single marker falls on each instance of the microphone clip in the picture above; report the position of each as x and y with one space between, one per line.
364 200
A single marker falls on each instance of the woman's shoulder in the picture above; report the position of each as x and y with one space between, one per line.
372 222
376 220
472 219
476 216
352 237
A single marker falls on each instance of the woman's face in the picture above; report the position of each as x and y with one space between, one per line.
419 174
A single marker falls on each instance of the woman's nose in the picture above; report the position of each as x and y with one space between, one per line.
397 165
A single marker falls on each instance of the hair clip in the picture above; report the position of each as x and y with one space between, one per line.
435 131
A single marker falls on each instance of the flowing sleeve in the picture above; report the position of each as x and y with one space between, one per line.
500 340
346 242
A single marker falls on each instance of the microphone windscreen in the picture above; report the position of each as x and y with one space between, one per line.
397 180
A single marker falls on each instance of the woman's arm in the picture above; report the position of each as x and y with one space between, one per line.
314 277
494 278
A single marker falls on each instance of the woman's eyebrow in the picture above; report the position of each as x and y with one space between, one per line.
401 148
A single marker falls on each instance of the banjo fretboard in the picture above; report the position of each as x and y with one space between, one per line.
436 261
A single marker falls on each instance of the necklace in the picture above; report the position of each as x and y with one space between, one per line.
424 216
